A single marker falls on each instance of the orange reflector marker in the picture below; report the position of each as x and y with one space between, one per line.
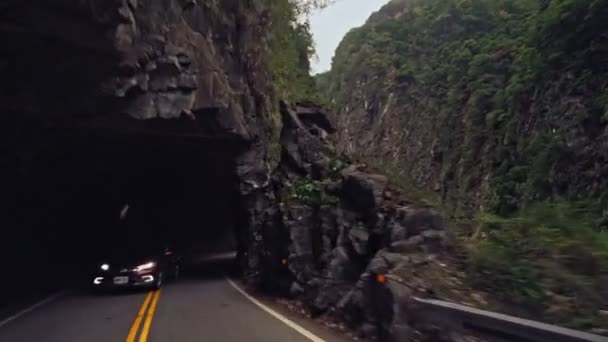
284 261
381 278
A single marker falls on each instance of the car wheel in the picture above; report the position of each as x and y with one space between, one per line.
159 281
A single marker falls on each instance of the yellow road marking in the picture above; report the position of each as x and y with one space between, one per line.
140 315
146 329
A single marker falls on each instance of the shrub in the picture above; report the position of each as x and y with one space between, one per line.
310 192
550 250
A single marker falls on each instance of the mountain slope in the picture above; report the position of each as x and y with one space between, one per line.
488 104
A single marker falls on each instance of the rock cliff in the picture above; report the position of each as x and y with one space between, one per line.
344 226
485 106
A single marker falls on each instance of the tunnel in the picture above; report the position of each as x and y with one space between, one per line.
94 188
113 134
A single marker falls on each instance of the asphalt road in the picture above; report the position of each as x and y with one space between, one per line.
203 306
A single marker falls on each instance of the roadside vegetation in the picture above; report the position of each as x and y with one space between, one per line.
290 49
550 259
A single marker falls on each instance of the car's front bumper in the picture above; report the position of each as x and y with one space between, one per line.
124 280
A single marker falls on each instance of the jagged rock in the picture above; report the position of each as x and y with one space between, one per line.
295 289
313 114
359 237
417 220
433 234
341 266
334 188
368 332
407 246
329 231
320 168
397 231
328 297
315 283
366 233
397 301
400 332
299 221
378 265
303 149
363 191
394 259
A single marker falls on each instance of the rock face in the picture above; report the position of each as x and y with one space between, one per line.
346 226
145 60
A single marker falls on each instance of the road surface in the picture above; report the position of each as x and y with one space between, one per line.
204 306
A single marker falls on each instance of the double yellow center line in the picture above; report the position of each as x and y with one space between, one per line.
149 305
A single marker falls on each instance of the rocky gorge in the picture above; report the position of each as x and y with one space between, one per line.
171 107
152 104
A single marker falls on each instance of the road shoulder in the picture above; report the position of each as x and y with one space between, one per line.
315 326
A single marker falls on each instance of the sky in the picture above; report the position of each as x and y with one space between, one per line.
331 24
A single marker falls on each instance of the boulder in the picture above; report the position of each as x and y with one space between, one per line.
341 267
320 168
298 221
295 289
363 191
378 265
434 240
417 220
397 231
312 114
329 296
359 237
407 246
393 259
368 331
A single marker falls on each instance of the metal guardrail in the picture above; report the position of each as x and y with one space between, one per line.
497 327
490 325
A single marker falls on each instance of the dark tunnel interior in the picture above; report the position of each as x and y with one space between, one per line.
180 191
71 160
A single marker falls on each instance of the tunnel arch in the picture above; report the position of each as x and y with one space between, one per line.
180 189
89 123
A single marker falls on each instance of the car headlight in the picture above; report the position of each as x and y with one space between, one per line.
145 267
105 267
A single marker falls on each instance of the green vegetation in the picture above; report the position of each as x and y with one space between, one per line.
515 93
291 47
550 258
288 56
514 90
310 192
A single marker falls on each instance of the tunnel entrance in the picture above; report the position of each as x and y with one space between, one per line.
90 191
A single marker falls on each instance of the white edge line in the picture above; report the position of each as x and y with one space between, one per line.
31 308
277 315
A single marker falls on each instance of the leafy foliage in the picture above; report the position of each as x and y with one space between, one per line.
546 253
291 47
310 192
